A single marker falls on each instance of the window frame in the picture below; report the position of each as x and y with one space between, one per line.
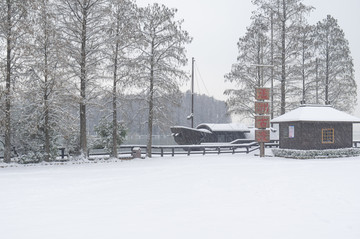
326 135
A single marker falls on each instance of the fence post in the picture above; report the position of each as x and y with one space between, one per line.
189 149
173 151
62 153
162 151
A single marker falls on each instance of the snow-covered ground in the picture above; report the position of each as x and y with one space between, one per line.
226 196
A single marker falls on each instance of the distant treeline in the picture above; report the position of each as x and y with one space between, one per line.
133 114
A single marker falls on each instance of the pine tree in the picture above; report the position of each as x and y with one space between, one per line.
336 68
248 72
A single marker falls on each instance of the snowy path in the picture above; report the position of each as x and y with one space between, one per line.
232 196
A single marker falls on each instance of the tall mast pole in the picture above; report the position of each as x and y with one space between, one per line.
192 93
272 68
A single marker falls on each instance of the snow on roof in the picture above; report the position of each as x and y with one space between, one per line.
224 127
320 113
188 128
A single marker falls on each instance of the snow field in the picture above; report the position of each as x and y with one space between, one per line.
231 196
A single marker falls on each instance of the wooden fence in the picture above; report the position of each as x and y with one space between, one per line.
162 150
172 150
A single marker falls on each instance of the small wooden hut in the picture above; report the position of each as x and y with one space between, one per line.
315 127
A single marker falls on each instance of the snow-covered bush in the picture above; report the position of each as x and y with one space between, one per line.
104 132
311 154
31 157
29 133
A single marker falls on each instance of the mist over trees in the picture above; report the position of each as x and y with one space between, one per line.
134 117
301 63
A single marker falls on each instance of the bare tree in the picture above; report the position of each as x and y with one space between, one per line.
42 84
82 23
253 50
13 26
122 35
285 16
336 68
305 63
162 53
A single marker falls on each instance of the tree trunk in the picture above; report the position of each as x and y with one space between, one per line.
327 102
7 150
83 138
303 72
272 64
46 100
151 104
115 125
317 80
283 52
258 61
46 112
150 120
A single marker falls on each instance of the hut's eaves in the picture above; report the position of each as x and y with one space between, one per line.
316 113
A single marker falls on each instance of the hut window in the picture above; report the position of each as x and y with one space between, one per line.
291 131
327 136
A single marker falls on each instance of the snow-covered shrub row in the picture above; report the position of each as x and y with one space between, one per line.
31 157
26 162
311 154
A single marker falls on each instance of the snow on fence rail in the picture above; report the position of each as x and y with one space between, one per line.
195 149
162 150
211 148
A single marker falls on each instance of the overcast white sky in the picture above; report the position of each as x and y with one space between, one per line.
217 25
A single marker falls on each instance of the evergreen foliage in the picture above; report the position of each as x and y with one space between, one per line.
104 131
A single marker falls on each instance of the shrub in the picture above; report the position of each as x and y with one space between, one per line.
104 132
311 154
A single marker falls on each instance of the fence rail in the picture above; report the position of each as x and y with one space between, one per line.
194 149
211 148
172 150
